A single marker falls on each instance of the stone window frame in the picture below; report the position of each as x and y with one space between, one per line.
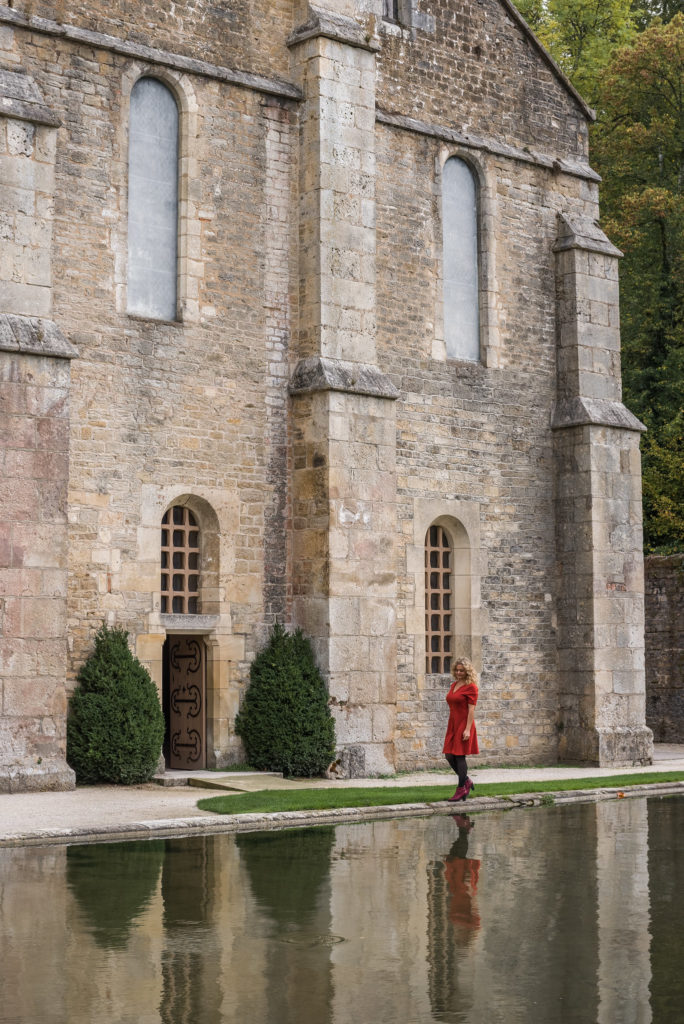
483 170
208 568
439 562
461 521
152 275
404 10
190 265
181 553
408 18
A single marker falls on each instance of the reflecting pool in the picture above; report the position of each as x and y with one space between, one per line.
571 914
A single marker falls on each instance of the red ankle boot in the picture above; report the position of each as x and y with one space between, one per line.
469 784
460 794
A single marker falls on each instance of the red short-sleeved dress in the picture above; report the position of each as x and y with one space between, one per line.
459 700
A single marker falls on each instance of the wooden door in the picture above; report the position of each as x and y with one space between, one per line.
187 718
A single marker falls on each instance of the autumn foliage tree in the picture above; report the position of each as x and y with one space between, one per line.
638 147
581 35
627 58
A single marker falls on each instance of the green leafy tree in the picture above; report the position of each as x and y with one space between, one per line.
638 148
285 721
115 727
646 11
582 35
627 58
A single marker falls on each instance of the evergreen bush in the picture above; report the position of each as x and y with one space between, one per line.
285 722
115 727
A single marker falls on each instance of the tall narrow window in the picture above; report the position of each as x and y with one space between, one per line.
461 270
438 600
180 553
390 10
153 201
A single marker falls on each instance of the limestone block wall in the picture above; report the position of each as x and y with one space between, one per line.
476 435
665 647
34 410
34 451
344 431
193 410
301 402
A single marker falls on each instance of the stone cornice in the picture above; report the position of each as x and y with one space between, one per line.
333 26
319 374
30 335
151 55
559 165
20 98
583 233
594 412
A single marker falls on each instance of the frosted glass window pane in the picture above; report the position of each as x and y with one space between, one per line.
461 261
152 201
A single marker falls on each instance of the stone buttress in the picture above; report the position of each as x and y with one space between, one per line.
34 420
598 514
343 406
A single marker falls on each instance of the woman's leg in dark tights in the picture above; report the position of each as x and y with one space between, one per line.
457 763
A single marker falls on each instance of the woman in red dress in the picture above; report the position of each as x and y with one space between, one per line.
461 734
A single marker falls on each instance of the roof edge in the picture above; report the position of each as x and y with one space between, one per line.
588 111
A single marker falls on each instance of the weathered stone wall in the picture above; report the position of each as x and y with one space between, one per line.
476 54
34 411
249 36
310 253
665 647
163 411
34 451
477 434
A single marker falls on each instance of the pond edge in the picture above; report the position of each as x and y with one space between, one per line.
266 822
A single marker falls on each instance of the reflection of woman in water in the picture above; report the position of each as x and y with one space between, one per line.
462 873
461 734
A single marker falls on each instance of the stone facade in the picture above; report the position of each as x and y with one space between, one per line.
301 404
664 578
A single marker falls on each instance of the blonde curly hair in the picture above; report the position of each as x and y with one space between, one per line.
470 670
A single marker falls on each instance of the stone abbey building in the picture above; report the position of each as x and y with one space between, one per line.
305 316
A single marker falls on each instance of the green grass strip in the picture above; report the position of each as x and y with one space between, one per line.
273 800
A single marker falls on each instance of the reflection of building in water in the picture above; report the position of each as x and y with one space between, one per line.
538 949
191 984
228 930
624 964
379 892
288 877
453 919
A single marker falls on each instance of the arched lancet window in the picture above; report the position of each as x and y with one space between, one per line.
438 600
461 263
180 562
153 201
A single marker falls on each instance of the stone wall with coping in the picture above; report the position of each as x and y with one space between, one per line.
665 647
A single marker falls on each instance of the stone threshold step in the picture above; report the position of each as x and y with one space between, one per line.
209 780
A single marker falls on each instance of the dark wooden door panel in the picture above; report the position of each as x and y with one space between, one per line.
187 733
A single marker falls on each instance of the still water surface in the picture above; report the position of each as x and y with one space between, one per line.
571 914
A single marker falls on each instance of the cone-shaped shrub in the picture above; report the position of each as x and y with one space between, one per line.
115 727
285 721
